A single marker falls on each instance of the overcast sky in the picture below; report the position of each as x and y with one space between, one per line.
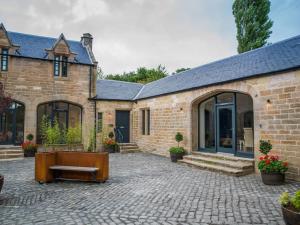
133 33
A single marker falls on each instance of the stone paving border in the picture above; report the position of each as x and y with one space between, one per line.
142 189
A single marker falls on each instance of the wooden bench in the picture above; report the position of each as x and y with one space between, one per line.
85 166
57 168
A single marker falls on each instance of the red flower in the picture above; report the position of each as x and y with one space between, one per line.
268 161
261 158
266 156
285 164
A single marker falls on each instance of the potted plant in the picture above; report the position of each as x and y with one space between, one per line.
271 168
290 208
1 182
177 152
109 143
29 147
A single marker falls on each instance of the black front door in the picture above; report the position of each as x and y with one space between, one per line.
122 126
225 129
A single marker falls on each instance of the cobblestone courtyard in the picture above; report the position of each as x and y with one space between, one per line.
142 189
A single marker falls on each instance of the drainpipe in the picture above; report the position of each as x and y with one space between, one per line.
95 124
90 82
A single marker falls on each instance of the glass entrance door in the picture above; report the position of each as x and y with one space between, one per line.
12 125
225 129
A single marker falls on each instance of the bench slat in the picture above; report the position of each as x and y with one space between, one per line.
74 168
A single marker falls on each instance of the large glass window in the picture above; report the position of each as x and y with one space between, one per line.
4 59
207 124
244 123
226 124
66 114
60 66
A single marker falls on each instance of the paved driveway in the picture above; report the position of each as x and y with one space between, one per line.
143 189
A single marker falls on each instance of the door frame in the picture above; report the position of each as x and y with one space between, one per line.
233 133
129 123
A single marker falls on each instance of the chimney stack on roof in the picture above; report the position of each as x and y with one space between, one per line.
87 40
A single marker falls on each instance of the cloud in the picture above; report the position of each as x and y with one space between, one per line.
133 33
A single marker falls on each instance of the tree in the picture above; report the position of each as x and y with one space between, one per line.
141 75
181 70
252 23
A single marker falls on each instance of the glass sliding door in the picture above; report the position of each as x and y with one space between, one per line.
226 124
225 128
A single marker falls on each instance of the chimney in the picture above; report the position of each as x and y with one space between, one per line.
87 40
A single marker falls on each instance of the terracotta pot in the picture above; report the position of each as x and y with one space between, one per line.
176 156
290 217
272 178
1 182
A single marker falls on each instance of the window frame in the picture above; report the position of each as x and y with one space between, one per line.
60 66
4 58
99 125
146 122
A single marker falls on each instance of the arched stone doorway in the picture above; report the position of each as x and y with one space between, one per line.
225 124
12 124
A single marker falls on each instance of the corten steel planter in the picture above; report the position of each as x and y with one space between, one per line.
1 182
272 178
290 216
29 153
176 156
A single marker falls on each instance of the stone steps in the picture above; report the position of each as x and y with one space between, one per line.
128 148
11 152
227 164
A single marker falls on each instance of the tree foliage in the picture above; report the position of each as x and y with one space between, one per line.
141 75
181 70
252 22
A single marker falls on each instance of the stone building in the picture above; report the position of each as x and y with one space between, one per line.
222 109
51 76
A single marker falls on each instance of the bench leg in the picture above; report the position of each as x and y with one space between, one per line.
94 176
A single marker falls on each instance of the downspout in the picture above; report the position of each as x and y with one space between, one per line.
90 82
95 124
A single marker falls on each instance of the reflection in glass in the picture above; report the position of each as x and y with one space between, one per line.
225 98
225 127
207 124
244 119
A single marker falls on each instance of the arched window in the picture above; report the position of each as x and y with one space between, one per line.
66 114
12 124
226 124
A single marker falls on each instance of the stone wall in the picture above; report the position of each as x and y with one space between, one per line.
32 82
277 119
108 108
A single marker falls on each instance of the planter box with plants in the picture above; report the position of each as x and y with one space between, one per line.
271 168
178 152
29 147
290 208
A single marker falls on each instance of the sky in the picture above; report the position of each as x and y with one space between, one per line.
133 33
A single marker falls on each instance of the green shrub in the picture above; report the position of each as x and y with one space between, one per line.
29 137
265 147
73 135
51 134
92 140
286 200
178 138
295 200
176 150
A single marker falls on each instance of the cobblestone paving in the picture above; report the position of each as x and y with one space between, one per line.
142 189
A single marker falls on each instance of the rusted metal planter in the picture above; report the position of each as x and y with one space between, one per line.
290 216
272 178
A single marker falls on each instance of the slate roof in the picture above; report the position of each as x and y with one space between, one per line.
117 90
281 56
34 46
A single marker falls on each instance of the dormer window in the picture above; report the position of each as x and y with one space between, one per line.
4 59
60 66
